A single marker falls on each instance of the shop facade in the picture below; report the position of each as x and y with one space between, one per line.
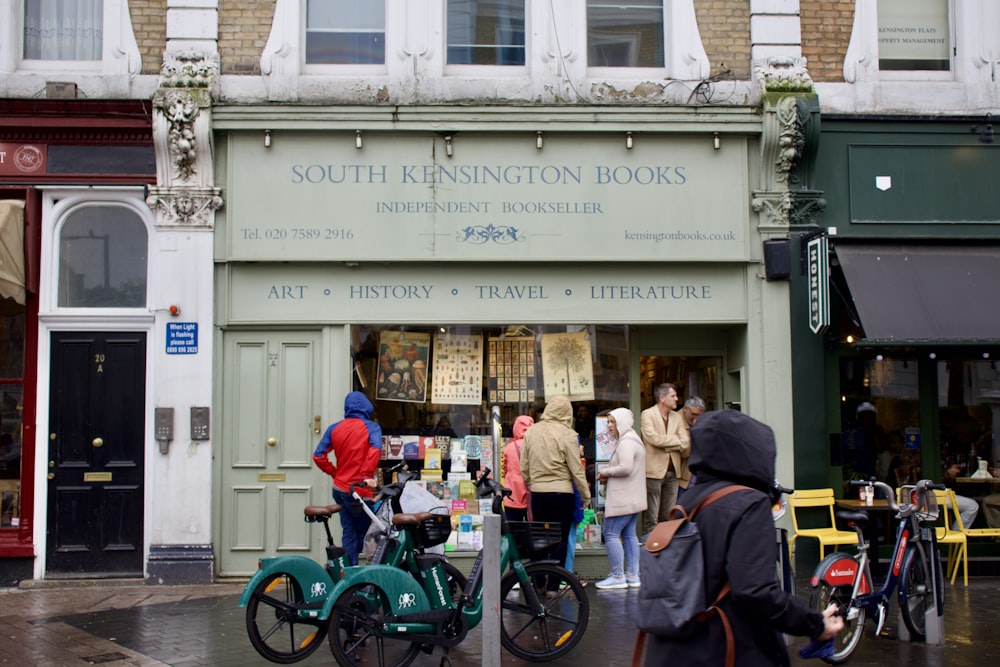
344 256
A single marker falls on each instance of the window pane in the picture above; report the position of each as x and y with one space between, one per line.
345 32
102 259
625 34
913 35
63 29
486 32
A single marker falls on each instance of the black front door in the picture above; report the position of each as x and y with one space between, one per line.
96 439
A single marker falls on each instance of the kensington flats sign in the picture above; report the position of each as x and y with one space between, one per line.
314 196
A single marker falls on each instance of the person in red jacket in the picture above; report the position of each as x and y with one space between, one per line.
356 441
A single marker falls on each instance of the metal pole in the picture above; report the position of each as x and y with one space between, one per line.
491 590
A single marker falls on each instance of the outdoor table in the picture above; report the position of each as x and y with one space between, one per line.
878 506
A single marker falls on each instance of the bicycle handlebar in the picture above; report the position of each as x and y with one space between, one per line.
906 509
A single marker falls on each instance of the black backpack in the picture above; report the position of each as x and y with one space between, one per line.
672 599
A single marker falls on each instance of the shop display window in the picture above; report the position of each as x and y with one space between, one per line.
12 323
434 388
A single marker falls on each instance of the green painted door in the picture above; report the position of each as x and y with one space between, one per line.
270 426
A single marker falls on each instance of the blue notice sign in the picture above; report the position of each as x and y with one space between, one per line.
182 338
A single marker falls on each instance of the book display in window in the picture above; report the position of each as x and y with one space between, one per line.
511 371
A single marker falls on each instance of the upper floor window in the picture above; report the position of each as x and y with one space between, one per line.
58 30
103 253
913 35
486 32
625 34
345 32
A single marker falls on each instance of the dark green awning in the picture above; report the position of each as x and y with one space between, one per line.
924 294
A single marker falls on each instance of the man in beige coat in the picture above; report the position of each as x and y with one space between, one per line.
668 444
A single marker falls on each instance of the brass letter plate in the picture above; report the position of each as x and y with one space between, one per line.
97 477
270 477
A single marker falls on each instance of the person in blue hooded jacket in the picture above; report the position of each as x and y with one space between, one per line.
356 441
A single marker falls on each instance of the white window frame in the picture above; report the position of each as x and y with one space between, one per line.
488 70
684 55
57 205
119 50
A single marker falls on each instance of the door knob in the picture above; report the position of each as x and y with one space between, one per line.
271 442
52 475
98 442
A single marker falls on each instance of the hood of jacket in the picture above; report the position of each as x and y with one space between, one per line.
729 445
521 425
357 405
623 420
559 409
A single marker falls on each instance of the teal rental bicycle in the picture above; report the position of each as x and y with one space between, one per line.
381 616
285 598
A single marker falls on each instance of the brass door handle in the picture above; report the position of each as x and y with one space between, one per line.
52 475
271 442
317 424
97 442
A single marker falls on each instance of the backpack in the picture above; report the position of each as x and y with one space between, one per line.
672 600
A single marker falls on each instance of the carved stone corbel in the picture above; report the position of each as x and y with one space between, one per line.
185 193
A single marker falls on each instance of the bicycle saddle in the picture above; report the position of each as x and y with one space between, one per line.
406 519
853 517
319 511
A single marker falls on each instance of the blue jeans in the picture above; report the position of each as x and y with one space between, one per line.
353 526
622 545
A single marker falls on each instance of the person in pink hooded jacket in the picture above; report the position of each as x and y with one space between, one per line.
516 506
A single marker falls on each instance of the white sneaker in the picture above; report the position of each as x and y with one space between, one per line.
611 583
633 582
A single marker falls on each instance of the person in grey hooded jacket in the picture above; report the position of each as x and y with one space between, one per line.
737 532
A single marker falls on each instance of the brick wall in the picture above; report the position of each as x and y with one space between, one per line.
244 26
826 31
725 34
149 22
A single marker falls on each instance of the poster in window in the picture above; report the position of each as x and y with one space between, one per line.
604 446
458 370
568 366
402 370
511 377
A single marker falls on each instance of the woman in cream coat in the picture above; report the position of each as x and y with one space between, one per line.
625 499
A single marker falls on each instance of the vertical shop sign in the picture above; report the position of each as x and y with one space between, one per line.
819 284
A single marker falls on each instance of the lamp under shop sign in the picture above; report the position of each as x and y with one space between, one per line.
818 273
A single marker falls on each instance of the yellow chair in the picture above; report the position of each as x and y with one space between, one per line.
968 533
828 535
958 545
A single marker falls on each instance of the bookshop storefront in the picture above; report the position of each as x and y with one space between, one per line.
447 275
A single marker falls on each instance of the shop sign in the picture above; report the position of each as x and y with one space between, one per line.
22 159
819 284
313 197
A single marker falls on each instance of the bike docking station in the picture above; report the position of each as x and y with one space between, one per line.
934 614
491 590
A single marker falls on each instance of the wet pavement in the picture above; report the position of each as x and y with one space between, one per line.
89 623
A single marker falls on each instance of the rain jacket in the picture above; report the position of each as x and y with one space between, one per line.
550 459
356 442
512 478
626 471
727 447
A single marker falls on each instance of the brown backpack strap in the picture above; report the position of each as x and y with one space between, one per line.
640 645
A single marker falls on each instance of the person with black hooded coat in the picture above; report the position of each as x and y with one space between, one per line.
737 532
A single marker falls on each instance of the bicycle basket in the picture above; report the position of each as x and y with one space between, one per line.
433 531
535 539
924 503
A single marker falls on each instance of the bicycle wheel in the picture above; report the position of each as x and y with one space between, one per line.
825 594
355 631
916 591
557 628
273 624
456 580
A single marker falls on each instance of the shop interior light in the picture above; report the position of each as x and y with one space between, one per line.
849 339
267 138
358 141
448 150
932 355
628 140
716 141
538 140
